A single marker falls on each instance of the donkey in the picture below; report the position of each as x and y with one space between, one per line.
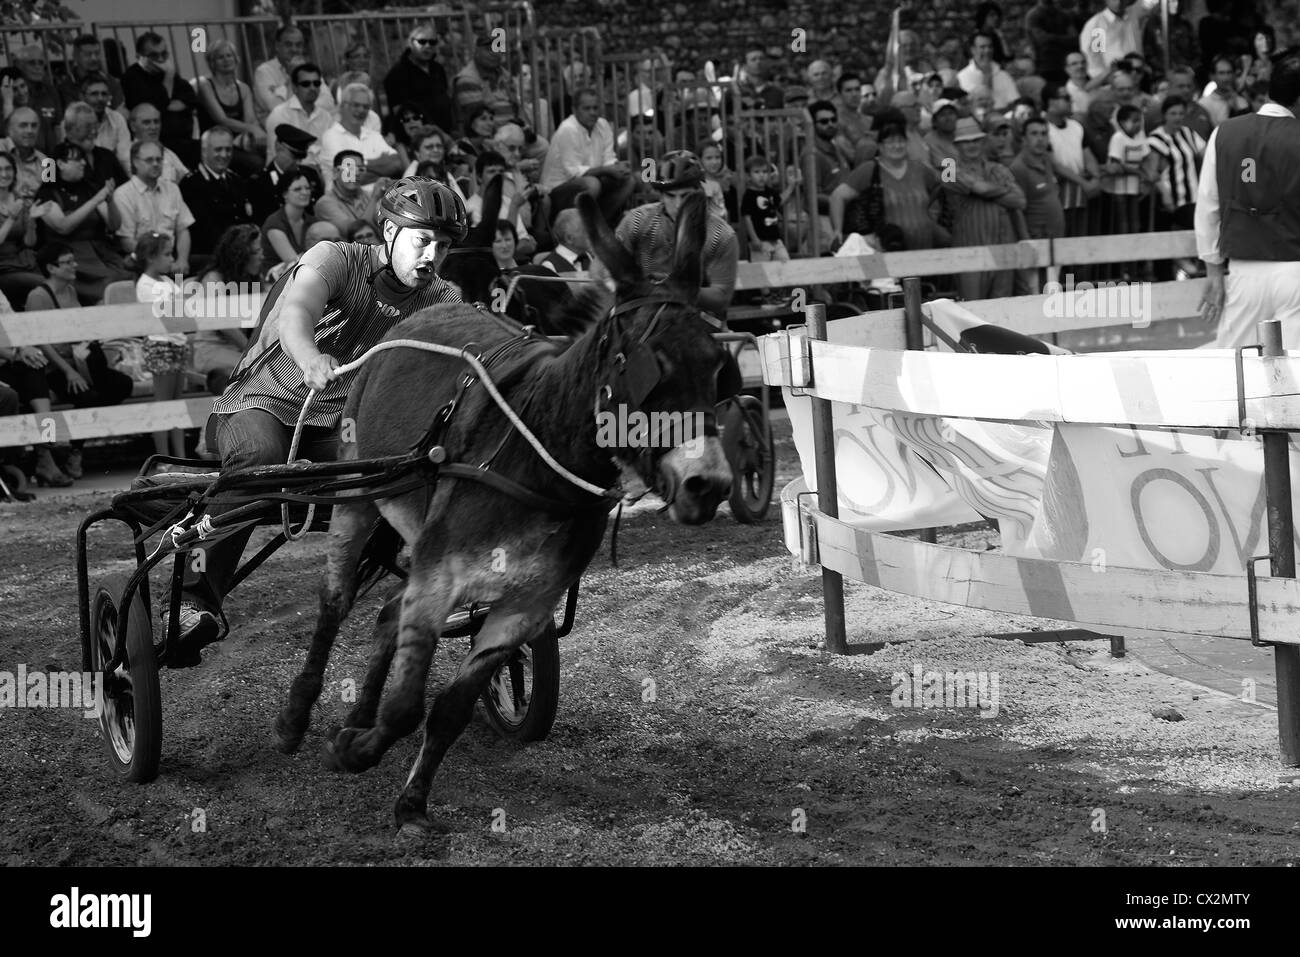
647 349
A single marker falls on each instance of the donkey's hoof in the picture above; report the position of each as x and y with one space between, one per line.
340 752
285 738
413 820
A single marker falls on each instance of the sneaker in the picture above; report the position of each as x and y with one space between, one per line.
197 627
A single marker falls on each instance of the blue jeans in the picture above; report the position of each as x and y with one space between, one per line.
245 439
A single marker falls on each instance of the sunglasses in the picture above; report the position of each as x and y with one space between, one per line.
309 82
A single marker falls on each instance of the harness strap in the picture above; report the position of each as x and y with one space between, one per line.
499 483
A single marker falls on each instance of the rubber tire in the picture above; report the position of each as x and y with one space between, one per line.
145 743
544 700
744 418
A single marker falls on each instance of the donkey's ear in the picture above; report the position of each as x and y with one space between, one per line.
486 230
687 267
622 266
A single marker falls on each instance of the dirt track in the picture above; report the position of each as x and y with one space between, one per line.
753 728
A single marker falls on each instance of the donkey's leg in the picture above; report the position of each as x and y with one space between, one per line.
349 527
381 659
429 597
503 631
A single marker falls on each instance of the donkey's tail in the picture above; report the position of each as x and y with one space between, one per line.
379 558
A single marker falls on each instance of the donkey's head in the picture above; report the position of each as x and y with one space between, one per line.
655 408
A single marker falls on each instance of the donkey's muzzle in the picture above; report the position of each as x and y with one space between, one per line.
698 479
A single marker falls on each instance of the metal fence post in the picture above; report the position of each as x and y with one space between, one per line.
1281 529
914 339
827 492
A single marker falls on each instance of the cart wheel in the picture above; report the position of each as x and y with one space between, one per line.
747 441
523 695
131 719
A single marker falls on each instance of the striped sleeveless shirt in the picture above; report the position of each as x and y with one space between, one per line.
651 236
353 320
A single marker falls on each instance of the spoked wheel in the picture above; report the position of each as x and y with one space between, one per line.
747 441
523 695
131 719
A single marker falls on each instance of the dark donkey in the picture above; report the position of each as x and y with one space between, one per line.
647 350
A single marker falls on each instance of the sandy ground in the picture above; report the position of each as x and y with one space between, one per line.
757 746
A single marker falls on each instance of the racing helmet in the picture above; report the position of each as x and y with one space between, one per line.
679 169
423 203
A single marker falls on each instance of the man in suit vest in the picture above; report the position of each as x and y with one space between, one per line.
1248 216
572 253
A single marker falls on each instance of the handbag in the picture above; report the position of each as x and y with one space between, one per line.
866 215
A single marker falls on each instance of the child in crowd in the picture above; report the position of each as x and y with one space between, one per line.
165 354
760 211
1123 181
719 185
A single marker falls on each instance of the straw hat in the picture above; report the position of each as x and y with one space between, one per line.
967 129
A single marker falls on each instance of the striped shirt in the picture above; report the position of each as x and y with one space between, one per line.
357 315
650 234
1183 149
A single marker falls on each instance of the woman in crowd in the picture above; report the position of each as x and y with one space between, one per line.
910 190
719 183
237 258
18 217
225 100
284 234
356 68
84 218
166 355
479 129
403 128
434 147
76 373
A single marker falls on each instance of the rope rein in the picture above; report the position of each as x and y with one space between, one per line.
479 369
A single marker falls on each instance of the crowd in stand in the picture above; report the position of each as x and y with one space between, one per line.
230 177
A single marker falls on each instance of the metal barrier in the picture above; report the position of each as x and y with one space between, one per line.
55 39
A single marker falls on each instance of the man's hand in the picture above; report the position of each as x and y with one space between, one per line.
75 382
319 372
1212 302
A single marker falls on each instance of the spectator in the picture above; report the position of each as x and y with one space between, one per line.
904 193
146 127
76 373
504 243
166 354
111 131
719 183
831 162
760 212
25 369
1211 32
80 215
147 203
1075 167
361 231
644 98
484 82
291 147
346 201
855 129
581 160
489 165
509 143
1182 84
911 63
534 109
908 104
406 124
821 81
42 97
1182 39
271 80
18 271
1100 122
1024 70
942 146
1123 181
24 132
1044 214
984 194
988 20
983 75
1052 32
1174 165
284 234
235 269
215 195
756 93
356 60
373 120
152 79
419 78
999 143
572 253
80 126
350 133
1224 101
1113 33
1257 65
1078 85
87 61
432 154
227 101
302 111
318 232
479 130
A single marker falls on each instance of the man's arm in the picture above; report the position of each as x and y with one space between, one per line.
183 250
264 87
126 215
304 302
1207 219
721 272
